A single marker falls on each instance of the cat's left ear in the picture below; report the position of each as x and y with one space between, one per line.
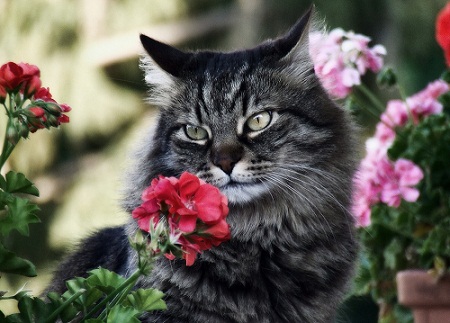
293 47
297 38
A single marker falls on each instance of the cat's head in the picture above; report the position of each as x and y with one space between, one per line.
255 122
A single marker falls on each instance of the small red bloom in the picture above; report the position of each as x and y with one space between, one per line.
443 31
11 75
23 76
194 212
44 95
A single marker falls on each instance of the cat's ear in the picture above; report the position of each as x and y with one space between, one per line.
293 48
297 38
168 58
162 67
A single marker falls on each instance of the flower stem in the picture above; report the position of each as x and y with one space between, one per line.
61 308
372 98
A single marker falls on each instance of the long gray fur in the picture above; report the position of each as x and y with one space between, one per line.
293 247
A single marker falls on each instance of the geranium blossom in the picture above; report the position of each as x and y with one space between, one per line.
193 211
340 59
22 82
379 179
443 31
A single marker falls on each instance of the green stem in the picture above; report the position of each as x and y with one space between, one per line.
7 149
130 281
54 315
372 97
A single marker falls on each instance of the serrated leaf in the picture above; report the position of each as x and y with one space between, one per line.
122 314
20 213
104 280
146 300
12 264
88 298
32 310
18 183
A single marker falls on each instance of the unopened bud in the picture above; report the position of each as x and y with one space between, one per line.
12 135
53 109
387 77
34 112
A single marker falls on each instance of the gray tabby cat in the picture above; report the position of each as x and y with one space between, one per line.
257 124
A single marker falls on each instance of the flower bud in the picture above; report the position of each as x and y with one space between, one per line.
23 130
12 135
387 77
52 121
53 109
34 112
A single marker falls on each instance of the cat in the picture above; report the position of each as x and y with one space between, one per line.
257 124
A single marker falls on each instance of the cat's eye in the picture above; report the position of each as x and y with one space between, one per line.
259 121
195 132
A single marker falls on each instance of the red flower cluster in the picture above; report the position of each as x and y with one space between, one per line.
22 82
193 211
443 31
15 77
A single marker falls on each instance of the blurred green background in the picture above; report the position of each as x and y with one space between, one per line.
88 52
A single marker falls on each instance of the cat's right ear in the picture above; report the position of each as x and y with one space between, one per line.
170 59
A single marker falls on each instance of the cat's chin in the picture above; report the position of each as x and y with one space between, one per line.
242 193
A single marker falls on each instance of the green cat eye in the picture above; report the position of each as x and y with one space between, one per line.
259 121
195 132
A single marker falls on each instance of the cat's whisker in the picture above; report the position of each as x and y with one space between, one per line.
288 189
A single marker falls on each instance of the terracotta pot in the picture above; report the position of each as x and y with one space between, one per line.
429 299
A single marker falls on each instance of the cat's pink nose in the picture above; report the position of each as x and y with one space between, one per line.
226 157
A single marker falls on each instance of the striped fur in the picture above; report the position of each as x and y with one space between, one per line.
293 247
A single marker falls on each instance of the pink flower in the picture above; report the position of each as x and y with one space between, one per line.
194 211
426 102
340 59
405 175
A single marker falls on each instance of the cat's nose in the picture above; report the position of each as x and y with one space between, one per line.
226 157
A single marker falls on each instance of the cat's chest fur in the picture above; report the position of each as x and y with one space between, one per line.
272 274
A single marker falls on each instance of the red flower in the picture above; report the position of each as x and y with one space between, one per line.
443 31
44 95
194 211
23 76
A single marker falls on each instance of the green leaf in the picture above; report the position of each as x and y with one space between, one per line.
88 298
18 183
12 264
122 314
146 300
104 280
20 213
392 254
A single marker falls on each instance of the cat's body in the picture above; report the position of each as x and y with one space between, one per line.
258 125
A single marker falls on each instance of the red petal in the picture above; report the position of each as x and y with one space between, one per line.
187 223
189 184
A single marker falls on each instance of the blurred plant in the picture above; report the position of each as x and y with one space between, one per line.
178 218
401 200
28 107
